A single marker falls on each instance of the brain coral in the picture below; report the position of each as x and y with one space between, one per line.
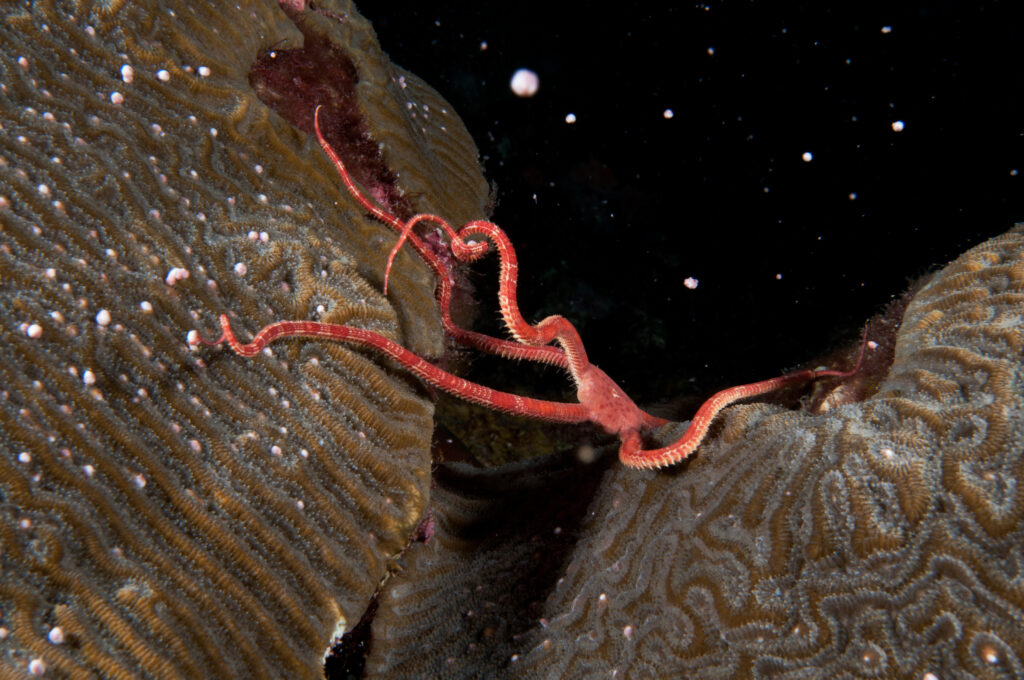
880 539
165 513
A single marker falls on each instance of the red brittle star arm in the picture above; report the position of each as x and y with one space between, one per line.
632 453
442 274
551 329
473 392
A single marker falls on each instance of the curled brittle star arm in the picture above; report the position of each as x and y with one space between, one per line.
442 274
473 392
632 453
551 329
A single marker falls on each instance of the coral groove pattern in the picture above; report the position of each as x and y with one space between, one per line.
879 539
167 513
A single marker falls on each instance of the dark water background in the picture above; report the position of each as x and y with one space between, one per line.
612 213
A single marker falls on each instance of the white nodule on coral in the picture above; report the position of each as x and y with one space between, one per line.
176 274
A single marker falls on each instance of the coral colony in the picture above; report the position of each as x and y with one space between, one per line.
601 401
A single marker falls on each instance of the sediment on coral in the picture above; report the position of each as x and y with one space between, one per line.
169 513
883 538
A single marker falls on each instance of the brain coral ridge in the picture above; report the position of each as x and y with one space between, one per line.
167 513
880 539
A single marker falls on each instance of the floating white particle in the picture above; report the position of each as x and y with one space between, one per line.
570 118
25 457
213 132
176 274
43 190
627 632
192 337
852 195
103 317
4 632
56 635
163 75
88 377
50 273
139 480
691 282
146 306
116 97
483 46
204 71
276 450
807 156
89 470
258 168
872 344
897 126
36 667
253 236
262 198
127 73
195 445
304 453
711 51
34 331
667 114
886 29
264 236
300 505
240 268
524 83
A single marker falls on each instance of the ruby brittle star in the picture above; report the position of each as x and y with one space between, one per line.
600 400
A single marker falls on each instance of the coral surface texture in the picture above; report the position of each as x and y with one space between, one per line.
167 513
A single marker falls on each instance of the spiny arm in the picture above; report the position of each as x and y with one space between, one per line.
442 274
473 392
632 453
